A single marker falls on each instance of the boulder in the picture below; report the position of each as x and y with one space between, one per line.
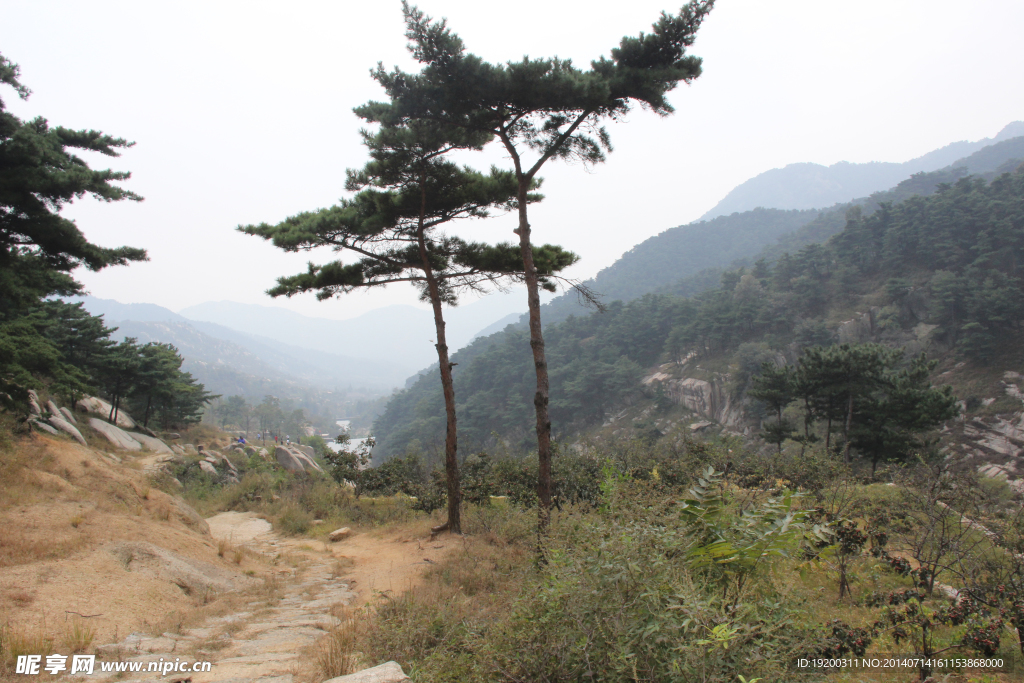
308 450
178 449
52 407
264 453
339 534
44 427
173 435
389 672
33 403
68 415
308 463
193 577
208 468
115 435
188 515
97 406
190 449
863 328
151 443
288 460
68 428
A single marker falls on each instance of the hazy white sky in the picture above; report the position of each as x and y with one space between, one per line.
241 112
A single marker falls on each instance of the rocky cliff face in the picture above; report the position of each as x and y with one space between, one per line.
995 444
708 399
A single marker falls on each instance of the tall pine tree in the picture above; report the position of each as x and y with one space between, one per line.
405 194
551 109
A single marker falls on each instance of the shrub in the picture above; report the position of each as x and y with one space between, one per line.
293 520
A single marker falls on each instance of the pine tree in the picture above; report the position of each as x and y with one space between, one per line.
39 175
548 107
774 387
405 194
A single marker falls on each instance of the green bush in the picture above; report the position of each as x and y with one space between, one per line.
293 520
630 590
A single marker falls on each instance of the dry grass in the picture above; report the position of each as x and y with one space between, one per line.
20 547
78 635
341 567
22 641
337 654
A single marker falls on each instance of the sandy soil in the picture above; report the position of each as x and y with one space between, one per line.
59 523
84 538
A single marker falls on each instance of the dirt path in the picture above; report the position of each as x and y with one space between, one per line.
270 634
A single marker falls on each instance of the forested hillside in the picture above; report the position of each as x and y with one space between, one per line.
688 259
949 262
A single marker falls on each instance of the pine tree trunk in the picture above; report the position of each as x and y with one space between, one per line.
541 397
846 430
780 430
451 462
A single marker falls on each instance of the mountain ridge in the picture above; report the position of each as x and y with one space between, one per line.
807 185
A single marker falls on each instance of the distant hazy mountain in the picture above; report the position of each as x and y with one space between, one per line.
114 310
510 319
807 186
399 335
217 346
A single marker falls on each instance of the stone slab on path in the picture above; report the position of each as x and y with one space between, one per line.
388 672
240 527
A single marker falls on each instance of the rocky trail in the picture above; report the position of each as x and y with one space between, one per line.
271 632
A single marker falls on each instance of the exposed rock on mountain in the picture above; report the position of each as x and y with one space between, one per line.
708 399
97 406
115 435
995 444
66 427
151 443
294 460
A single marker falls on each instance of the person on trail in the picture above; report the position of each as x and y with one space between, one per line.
275 438
287 440
241 440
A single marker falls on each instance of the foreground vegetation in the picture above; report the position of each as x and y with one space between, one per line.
674 560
